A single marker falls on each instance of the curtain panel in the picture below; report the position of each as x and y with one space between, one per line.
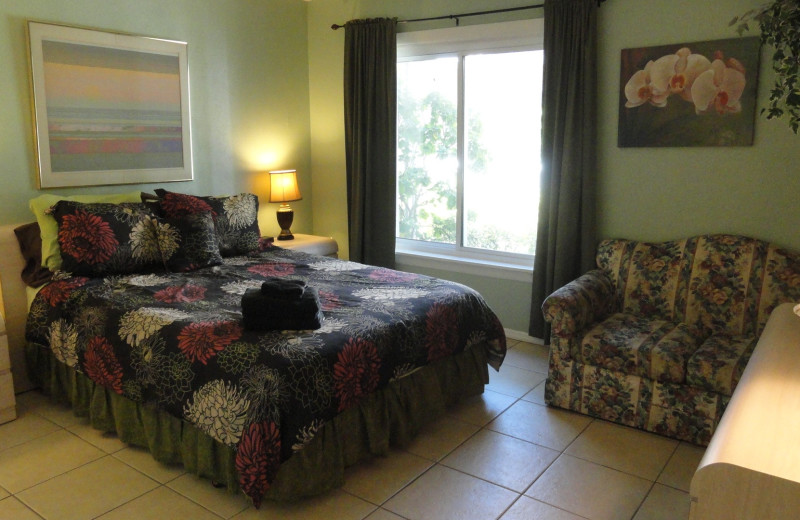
565 244
370 106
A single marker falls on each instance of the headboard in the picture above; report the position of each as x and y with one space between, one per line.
14 304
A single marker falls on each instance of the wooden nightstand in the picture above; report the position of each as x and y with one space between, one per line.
323 246
8 409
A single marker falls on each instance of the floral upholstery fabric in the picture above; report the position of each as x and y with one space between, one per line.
637 345
658 336
719 363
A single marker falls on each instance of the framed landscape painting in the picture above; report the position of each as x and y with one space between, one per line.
108 108
689 94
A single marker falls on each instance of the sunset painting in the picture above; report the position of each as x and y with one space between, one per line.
110 109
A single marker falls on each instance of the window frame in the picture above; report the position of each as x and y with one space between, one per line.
516 36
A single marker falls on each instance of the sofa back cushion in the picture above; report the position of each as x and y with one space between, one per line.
647 276
713 283
781 282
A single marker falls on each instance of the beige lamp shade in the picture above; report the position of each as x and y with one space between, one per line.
283 186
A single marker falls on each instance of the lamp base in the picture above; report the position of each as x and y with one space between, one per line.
285 218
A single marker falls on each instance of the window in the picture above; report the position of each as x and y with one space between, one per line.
468 142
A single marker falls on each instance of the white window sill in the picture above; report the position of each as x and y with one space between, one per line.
446 262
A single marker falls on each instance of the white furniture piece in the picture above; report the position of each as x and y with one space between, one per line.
8 409
312 244
751 468
14 304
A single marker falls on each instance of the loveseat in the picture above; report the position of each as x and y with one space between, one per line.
659 334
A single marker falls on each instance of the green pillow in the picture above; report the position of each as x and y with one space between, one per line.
51 254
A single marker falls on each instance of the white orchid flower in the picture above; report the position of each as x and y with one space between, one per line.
687 69
722 85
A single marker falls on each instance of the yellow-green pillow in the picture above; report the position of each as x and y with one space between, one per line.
51 254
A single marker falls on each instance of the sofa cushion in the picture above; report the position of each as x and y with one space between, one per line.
636 345
724 285
719 362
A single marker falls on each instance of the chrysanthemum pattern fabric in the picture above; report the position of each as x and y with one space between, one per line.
177 341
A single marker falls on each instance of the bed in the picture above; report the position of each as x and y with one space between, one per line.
162 359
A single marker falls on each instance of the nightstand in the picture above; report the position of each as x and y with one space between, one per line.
8 409
312 244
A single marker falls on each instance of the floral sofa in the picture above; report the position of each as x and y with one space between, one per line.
658 335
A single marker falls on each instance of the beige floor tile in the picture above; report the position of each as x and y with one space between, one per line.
513 381
481 409
502 460
3 494
87 491
536 395
36 402
161 503
446 493
664 503
141 460
441 437
45 457
333 505
377 480
681 467
528 356
529 509
11 508
625 449
26 427
590 490
200 490
382 514
542 425
108 442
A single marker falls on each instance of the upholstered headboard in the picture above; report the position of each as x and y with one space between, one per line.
14 303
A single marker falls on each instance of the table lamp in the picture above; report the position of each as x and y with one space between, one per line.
283 189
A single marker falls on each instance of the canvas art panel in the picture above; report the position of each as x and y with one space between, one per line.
689 94
109 108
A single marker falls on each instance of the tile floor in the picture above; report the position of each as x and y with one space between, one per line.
500 455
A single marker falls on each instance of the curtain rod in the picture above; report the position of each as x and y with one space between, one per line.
462 15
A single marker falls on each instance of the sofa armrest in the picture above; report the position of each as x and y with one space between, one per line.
579 304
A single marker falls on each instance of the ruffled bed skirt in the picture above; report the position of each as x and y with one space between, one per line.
391 416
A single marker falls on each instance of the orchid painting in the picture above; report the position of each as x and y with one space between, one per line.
692 94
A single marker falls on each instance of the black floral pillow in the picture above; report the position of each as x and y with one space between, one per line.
235 217
189 242
100 239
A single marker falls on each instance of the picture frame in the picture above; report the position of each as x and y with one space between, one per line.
689 94
108 108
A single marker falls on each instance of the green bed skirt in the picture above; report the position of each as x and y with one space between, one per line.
391 416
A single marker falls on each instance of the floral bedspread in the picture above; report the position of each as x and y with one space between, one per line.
177 340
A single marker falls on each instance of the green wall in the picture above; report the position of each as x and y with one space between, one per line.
248 70
644 193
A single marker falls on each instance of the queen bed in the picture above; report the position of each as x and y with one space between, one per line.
163 359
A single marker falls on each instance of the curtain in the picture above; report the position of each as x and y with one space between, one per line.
370 112
565 242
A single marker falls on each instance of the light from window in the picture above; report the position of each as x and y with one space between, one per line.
468 150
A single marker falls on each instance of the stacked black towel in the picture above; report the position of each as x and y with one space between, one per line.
283 288
274 309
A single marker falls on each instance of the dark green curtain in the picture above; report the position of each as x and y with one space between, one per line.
370 112
565 242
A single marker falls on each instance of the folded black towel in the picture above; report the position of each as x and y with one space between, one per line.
283 288
263 312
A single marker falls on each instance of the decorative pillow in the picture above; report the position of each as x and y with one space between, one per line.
235 217
103 239
29 237
51 256
189 242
